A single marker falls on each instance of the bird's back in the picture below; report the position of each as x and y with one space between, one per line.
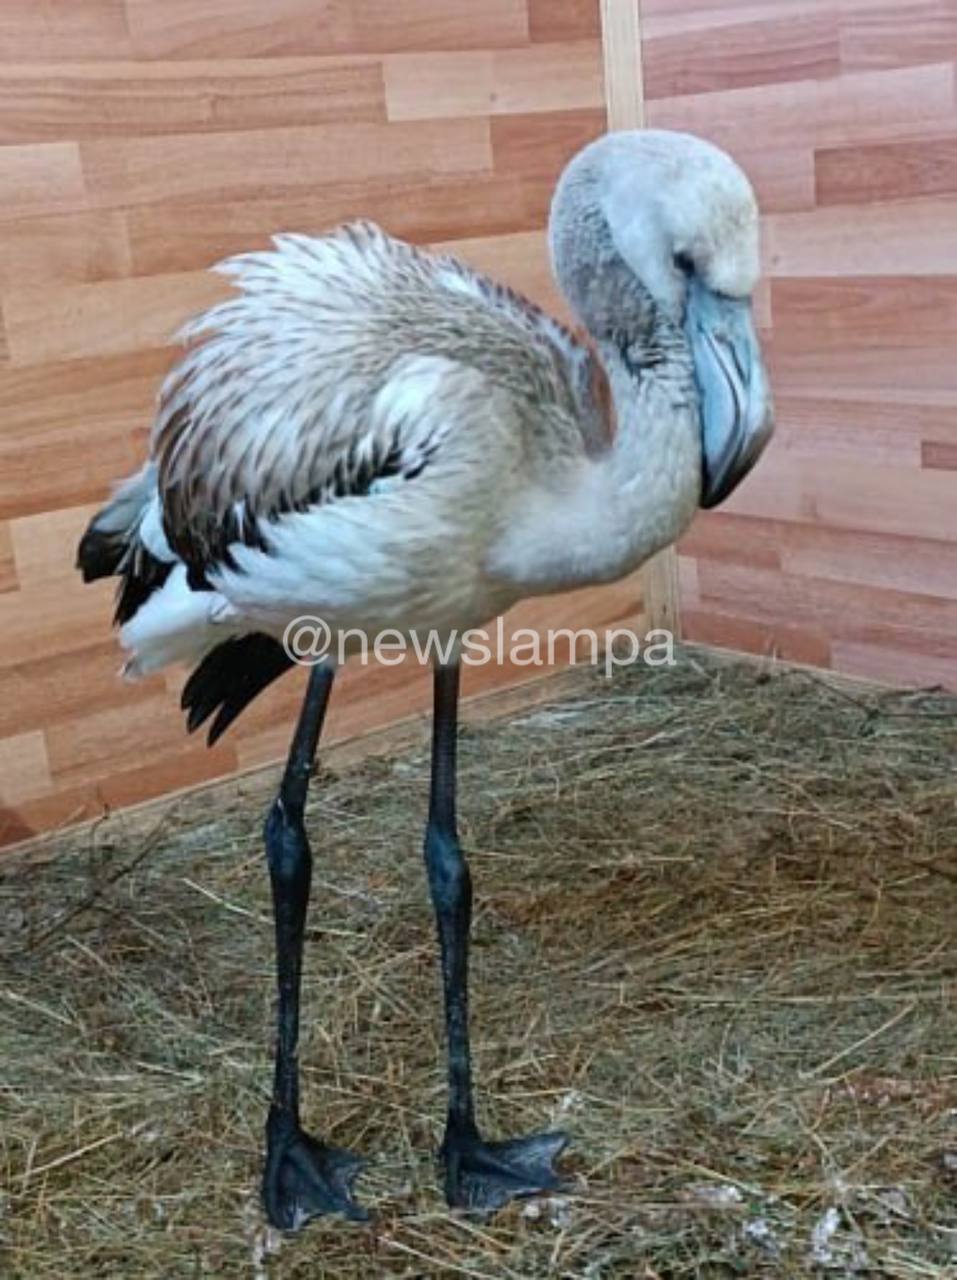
347 352
341 309
353 430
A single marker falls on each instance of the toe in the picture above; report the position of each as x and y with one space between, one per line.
485 1176
308 1179
537 1150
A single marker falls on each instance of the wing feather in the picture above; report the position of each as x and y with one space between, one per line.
288 395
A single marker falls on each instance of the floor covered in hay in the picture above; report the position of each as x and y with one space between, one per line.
716 939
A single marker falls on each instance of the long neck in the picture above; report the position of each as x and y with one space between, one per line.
595 519
654 463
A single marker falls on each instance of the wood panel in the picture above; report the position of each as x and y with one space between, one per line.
65 427
624 76
841 549
8 569
869 106
541 78
766 51
887 171
563 20
261 163
49 101
142 140
162 239
939 456
80 30
248 28
897 33
40 179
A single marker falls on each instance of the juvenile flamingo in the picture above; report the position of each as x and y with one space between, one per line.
387 439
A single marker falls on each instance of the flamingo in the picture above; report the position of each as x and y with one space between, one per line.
387 439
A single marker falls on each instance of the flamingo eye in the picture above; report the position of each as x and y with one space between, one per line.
684 263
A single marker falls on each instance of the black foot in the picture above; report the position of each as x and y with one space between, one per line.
304 1178
484 1176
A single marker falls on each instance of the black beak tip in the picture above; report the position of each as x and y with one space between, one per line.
716 490
718 485
711 498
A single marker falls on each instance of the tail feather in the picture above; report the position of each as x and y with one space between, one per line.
114 545
107 539
99 554
229 678
166 617
137 584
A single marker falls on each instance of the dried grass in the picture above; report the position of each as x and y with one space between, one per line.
715 939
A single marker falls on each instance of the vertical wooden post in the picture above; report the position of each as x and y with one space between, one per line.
624 76
625 102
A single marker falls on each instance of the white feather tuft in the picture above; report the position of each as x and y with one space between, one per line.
176 624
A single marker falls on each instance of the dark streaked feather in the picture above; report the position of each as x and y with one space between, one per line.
229 678
99 553
107 553
206 545
139 579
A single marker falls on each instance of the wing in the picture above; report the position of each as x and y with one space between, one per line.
321 379
273 407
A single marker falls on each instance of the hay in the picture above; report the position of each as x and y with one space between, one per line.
714 938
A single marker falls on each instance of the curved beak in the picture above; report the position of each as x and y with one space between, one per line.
737 415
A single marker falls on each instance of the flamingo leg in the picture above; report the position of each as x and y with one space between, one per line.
479 1175
303 1176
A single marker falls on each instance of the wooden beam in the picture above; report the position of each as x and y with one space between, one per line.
625 102
624 79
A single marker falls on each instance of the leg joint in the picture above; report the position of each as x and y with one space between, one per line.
287 847
449 877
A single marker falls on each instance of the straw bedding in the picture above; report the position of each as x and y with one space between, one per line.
715 940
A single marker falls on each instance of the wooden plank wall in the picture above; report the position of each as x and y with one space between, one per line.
141 140
841 550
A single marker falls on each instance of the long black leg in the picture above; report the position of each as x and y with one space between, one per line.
451 887
479 1175
303 1177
